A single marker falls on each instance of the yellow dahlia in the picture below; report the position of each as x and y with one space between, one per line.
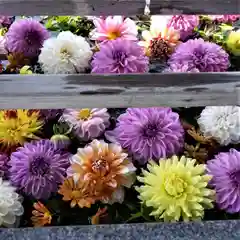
159 31
106 167
233 42
16 126
176 189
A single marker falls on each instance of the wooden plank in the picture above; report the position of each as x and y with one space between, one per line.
108 7
136 90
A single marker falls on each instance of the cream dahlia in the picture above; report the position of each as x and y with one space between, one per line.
10 205
105 167
64 54
221 123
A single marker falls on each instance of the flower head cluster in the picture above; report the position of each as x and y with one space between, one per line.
120 56
105 169
201 55
37 168
87 123
176 189
149 133
225 169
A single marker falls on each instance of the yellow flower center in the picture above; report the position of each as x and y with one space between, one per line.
114 35
100 167
84 114
174 185
76 194
65 53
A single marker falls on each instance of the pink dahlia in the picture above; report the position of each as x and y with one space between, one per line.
224 18
185 24
87 123
113 27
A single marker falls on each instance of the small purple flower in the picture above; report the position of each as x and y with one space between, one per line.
149 133
87 123
200 55
4 165
38 168
120 56
26 36
185 24
225 169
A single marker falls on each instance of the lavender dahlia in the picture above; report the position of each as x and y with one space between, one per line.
225 169
120 56
201 55
149 133
37 168
26 36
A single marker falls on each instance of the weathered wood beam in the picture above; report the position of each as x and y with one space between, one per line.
114 7
136 90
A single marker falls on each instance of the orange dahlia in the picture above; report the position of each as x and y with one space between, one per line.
107 169
41 215
77 192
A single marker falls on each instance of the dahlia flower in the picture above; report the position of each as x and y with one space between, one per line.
37 168
148 133
224 18
16 126
120 56
105 167
87 123
176 189
26 36
233 42
178 67
221 123
185 24
66 53
159 30
201 55
4 165
41 215
113 27
10 204
225 169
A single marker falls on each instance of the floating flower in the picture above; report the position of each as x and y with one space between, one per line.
4 165
185 24
66 53
120 56
201 55
233 42
16 126
221 123
106 167
176 189
17 61
113 27
10 205
159 30
78 193
37 168
225 169
87 123
26 36
41 215
224 18
149 133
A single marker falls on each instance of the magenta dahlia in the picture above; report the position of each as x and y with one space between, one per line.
148 133
26 36
225 169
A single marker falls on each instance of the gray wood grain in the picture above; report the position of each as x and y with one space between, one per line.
143 90
108 7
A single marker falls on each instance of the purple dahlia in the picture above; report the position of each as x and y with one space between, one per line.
149 133
201 55
225 169
26 36
120 56
3 165
185 24
37 168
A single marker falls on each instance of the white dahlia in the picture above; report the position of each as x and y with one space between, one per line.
64 54
10 205
221 123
